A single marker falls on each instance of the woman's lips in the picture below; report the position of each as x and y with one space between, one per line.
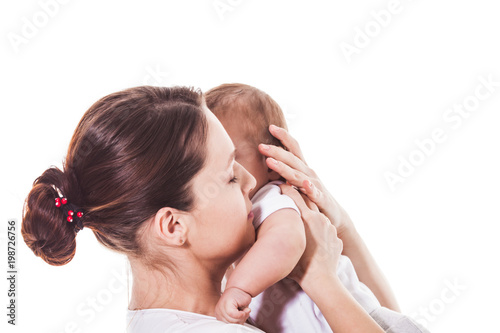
250 215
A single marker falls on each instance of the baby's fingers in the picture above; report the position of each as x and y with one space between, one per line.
237 316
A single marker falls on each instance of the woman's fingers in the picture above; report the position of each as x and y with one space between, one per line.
310 190
312 206
287 140
286 157
323 247
297 198
291 165
294 177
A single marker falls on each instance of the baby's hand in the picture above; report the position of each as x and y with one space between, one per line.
233 306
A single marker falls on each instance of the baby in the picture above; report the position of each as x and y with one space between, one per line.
279 304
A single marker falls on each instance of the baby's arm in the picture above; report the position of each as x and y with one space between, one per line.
280 244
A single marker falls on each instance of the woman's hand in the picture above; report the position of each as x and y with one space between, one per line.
316 271
292 166
323 247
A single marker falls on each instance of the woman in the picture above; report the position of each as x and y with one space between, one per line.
152 172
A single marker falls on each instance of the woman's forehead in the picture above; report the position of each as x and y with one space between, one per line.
220 146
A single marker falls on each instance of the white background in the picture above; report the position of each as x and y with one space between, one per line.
354 120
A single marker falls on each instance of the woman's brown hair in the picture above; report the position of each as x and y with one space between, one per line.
132 153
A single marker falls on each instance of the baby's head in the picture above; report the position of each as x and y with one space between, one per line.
246 113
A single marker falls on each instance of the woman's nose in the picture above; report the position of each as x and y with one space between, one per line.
249 181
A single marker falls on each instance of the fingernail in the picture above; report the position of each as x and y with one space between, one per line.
264 147
273 161
275 128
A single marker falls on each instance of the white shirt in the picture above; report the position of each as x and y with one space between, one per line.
285 307
177 321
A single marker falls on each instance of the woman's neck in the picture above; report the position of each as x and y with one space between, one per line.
191 288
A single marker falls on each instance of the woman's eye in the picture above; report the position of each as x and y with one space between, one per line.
233 180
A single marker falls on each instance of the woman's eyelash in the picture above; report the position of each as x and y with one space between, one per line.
233 180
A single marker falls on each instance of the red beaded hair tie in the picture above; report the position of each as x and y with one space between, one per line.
69 212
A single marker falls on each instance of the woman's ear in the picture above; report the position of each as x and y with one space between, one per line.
171 226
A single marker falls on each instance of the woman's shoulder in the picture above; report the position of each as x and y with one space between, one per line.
166 320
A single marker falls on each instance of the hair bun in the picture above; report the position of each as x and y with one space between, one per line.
43 228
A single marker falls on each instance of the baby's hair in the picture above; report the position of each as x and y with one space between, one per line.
132 153
252 108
